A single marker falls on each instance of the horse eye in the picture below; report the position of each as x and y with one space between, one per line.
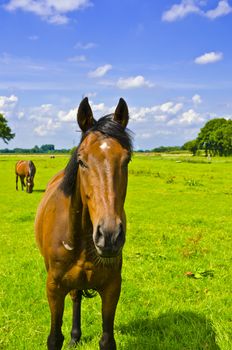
82 164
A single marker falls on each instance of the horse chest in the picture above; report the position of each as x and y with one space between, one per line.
84 276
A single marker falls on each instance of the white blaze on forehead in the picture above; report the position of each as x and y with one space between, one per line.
104 145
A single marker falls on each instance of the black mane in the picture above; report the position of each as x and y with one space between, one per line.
32 169
108 127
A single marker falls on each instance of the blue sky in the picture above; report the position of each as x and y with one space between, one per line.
170 60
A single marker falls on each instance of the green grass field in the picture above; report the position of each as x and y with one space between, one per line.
177 285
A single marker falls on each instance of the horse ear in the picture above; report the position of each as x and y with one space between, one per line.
121 114
85 117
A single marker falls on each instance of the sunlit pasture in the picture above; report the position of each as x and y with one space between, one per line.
176 291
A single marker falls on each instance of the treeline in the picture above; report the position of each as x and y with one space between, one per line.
215 138
161 149
164 149
49 149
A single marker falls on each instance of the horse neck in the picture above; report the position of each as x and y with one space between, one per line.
79 213
30 171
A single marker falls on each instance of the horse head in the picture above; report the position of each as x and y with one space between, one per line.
29 184
103 156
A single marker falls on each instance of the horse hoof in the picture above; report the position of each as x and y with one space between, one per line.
55 343
107 345
73 342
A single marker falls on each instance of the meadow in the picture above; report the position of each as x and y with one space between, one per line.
177 285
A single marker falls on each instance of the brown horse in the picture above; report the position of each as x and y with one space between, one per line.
25 169
81 225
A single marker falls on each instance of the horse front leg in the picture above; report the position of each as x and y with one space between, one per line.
109 296
76 296
56 298
17 179
22 182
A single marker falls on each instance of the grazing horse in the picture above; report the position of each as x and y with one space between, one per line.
81 224
25 169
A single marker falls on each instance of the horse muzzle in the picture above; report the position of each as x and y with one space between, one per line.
109 241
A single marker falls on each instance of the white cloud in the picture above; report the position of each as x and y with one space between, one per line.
223 8
5 58
45 118
133 82
58 19
197 99
69 116
21 115
8 105
91 94
187 7
168 107
33 37
20 65
67 5
145 135
53 11
77 59
86 46
36 67
43 112
164 132
100 107
139 114
100 71
47 128
210 57
168 114
8 102
160 118
159 113
189 117
179 11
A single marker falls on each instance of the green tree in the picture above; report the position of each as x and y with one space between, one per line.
5 130
223 139
191 146
206 138
47 148
35 149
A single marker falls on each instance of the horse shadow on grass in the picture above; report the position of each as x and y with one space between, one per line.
170 331
39 190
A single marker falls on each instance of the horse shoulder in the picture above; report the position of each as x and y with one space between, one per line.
19 167
55 181
52 215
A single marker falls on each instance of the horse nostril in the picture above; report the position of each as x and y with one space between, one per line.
120 237
109 239
99 237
